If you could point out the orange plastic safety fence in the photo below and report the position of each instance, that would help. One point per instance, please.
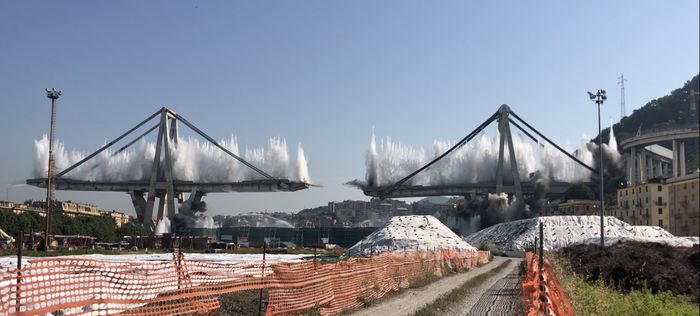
(352, 283)
(76, 286)
(542, 292)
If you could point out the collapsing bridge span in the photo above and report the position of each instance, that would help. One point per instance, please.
(401, 189)
(161, 182)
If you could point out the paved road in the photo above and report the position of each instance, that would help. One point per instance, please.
(503, 298)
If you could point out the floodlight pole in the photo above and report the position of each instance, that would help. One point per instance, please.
(599, 97)
(52, 94)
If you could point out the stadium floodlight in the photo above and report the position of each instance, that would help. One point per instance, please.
(52, 94)
(599, 97)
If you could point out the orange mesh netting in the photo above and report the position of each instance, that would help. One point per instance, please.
(542, 292)
(76, 286)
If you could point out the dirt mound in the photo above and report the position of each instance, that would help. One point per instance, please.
(634, 265)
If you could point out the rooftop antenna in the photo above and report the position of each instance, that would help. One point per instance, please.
(621, 82)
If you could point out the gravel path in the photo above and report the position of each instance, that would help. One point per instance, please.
(503, 298)
(475, 295)
(411, 300)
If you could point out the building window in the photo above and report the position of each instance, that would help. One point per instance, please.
(639, 190)
(658, 188)
(647, 200)
(627, 192)
(660, 200)
(661, 223)
(661, 211)
(646, 189)
(685, 186)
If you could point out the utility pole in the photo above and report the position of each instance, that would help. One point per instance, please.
(53, 95)
(600, 97)
(621, 82)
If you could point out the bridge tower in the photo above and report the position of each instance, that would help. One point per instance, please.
(161, 175)
(504, 135)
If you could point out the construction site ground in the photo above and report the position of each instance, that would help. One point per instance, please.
(498, 295)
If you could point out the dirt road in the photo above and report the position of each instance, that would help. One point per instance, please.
(412, 300)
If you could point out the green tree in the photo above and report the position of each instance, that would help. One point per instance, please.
(130, 229)
(579, 191)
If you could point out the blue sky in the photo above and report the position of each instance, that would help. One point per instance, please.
(323, 73)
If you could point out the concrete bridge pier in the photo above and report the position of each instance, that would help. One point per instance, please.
(681, 158)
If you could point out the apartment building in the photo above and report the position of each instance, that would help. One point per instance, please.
(577, 207)
(684, 205)
(644, 204)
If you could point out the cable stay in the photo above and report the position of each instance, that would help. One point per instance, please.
(459, 144)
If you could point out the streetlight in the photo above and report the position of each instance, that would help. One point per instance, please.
(52, 94)
(599, 97)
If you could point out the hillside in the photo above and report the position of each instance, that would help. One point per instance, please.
(669, 111)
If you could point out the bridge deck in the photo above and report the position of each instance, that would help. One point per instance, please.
(660, 136)
(280, 185)
(404, 191)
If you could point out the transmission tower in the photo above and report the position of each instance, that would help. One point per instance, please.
(621, 82)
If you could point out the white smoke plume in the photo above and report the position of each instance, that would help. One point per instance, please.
(192, 161)
(163, 226)
(254, 220)
(476, 161)
(302, 167)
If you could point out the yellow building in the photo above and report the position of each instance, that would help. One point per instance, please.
(578, 208)
(644, 204)
(118, 217)
(684, 205)
(73, 209)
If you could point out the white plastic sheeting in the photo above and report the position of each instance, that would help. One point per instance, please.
(562, 231)
(411, 232)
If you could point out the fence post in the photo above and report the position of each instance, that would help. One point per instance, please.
(540, 278)
(263, 277)
(541, 246)
(315, 247)
(178, 261)
(20, 244)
